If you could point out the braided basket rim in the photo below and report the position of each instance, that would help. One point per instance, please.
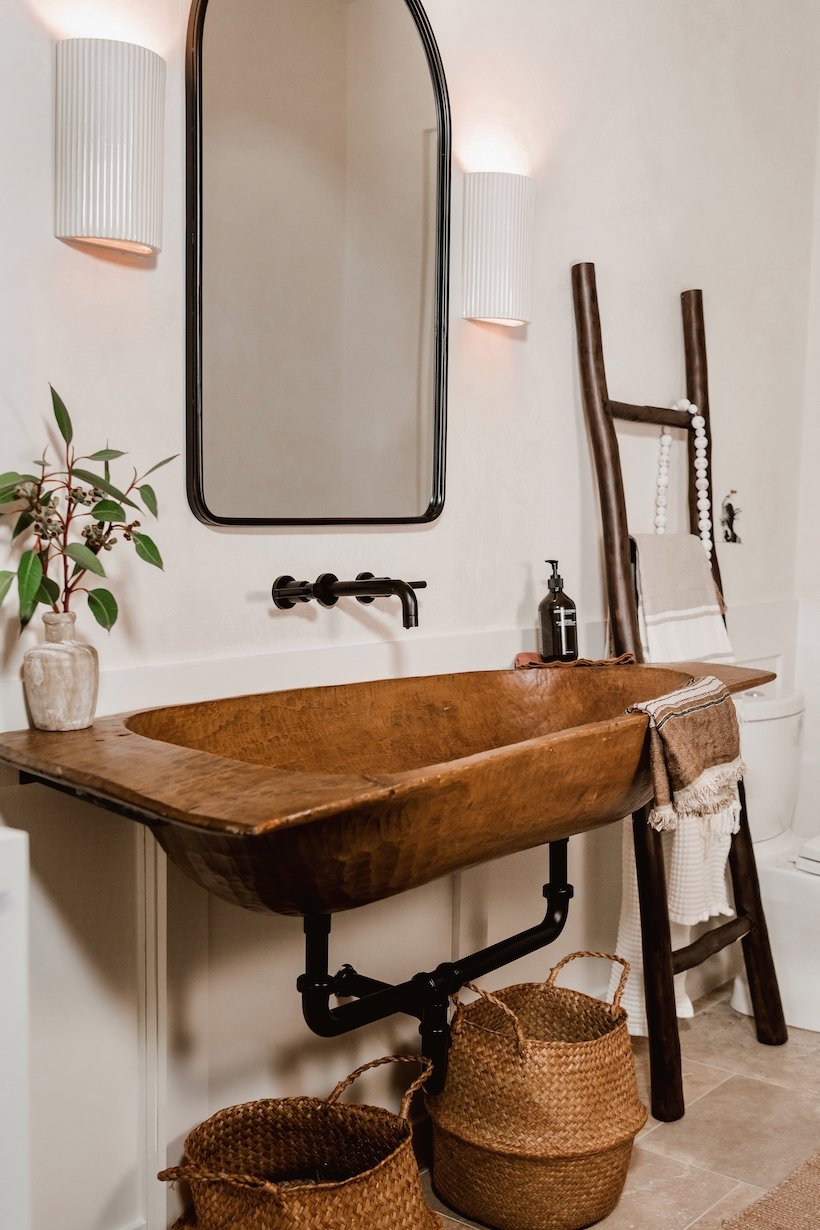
(618, 1015)
(362, 1109)
(541, 1042)
(353, 1110)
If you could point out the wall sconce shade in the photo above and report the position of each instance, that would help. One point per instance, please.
(109, 144)
(499, 229)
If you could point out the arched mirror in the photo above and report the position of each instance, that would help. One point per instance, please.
(318, 220)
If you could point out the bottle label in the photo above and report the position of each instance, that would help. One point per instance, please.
(564, 622)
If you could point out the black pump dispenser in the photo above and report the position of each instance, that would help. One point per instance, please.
(559, 622)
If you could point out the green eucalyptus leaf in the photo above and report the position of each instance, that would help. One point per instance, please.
(147, 550)
(107, 510)
(9, 496)
(103, 607)
(49, 592)
(29, 575)
(23, 522)
(85, 558)
(62, 416)
(160, 463)
(29, 579)
(149, 498)
(106, 454)
(96, 480)
(6, 579)
(12, 479)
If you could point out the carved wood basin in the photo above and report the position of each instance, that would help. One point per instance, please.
(321, 799)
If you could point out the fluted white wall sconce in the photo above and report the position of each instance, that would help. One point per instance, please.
(109, 143)
(499, 229)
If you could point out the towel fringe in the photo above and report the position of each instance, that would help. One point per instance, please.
(704, 793)
(664, 819)
(711, 798)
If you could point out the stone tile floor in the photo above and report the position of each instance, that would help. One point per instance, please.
(752, 1116)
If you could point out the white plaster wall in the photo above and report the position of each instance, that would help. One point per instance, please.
(675, 146)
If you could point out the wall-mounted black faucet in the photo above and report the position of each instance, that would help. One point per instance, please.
(327, 589)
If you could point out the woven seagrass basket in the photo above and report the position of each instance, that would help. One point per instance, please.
(306, 1164)
(534, 1127)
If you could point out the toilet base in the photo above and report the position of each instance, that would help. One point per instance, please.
(791, 900)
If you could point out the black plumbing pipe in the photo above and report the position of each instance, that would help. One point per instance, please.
(426, 995)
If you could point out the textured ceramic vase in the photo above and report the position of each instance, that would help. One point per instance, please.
(61, 677)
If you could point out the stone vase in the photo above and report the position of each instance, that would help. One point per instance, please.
(61, 677)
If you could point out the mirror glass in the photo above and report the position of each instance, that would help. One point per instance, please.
(318, 199)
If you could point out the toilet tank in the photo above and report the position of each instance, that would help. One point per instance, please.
(771, 723)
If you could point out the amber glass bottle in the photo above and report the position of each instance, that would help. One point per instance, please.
(559, 622)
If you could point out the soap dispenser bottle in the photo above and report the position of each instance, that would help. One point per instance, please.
(559, 622)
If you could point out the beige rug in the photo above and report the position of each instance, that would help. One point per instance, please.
(793, 1205)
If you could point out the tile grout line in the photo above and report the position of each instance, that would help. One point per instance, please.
(690, 1102)
(764, 1080)
(791, 1084)
(700, 1216)
(718, 1174)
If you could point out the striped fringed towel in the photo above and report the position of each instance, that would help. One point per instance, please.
(694, 751)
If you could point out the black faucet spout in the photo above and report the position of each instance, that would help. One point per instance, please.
(409, 602)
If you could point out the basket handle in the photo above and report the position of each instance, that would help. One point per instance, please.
(200, 1174)
(606, 956)
(404, 1110)
(521, 1041)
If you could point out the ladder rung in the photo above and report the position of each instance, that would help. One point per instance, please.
(650, 414)
(710, 943)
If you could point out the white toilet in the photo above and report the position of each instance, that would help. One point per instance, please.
(788, 865)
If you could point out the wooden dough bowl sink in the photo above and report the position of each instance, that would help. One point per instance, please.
(321, 799)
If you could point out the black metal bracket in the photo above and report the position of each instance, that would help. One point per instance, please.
(426, 996)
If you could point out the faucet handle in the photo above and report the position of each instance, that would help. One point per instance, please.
(322, 591)
(367, 598)
(287, 591)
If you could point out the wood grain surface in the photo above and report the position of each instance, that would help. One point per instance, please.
(322, 799)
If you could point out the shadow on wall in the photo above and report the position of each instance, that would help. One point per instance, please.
(82, 887)
(234, 1012)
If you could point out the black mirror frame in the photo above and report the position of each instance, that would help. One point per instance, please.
(193, 281)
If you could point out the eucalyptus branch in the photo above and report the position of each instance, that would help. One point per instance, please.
(91, 499)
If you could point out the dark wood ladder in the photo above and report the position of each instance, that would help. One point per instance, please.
(661, 963)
